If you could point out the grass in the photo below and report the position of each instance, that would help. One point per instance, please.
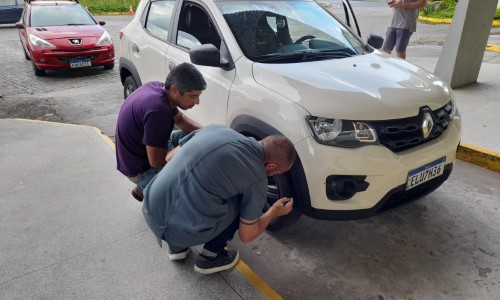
(108, 6)
(444, 9)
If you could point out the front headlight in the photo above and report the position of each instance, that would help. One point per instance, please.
(455, 114)
(342, 133)
(104, 39)
(37, 41)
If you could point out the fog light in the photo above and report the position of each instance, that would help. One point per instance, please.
(340, 187)
(42, 59)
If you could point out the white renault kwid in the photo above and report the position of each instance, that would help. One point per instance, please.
(371, 131)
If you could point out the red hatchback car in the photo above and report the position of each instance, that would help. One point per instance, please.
(63, 35)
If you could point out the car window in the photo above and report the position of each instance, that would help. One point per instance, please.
(196, 28)
(264, 29)
(8, 2)
(158, 20)
(59, 15)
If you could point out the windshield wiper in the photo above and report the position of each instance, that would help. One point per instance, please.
(306, 56)
(337, 53)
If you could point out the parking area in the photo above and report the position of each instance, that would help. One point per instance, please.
(445, 246)
(81, 96)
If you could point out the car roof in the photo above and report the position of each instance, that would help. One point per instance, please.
(53, 2)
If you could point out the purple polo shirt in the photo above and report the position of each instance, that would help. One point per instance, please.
(145, 118)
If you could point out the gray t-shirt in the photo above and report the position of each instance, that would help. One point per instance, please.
(405, 18)
(216, 176)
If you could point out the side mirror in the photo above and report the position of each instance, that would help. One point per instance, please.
(102, 23)
(19, 25)
(376, 41)
(206, 55)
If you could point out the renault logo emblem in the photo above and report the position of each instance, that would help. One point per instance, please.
(75, 42)
(427, 125)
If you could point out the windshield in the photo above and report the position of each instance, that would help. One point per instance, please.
(60, 15)
(288, 31)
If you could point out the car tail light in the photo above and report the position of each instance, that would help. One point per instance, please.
(121, 34)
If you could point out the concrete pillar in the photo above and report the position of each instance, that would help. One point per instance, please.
(463, 50)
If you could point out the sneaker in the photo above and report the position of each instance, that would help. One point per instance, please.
(223, 261)
(178, 255)
(137, 194)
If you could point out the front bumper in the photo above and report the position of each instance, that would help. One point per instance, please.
(49, 59)
(386, 173)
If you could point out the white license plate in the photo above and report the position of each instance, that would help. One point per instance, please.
(80, 63)
(425, 173)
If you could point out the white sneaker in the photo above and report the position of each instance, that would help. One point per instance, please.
(179, 255)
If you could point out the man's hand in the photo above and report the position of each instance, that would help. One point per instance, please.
(251, 229)
(282, 207)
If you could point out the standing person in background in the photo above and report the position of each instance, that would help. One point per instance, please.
(403, 25)
(146, 120)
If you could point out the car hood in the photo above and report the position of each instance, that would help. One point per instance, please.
(369, 87)
(58, 32)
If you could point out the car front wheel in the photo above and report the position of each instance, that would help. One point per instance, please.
(129, 86)
(38, 72)
(279, 186)
(109, 67)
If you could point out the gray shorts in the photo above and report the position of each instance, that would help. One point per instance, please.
(396, 38)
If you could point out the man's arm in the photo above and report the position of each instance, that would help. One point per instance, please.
(408, 5)
(249, 230)
(185, 123)
(156, 156)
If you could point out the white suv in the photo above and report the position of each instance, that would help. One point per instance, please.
(371, 131)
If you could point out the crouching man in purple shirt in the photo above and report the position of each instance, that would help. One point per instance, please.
(144, 129)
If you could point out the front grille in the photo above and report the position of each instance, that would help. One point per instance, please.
(67, 59)
(403, 134)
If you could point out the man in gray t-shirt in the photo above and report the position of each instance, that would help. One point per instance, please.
(403, 25)
(214, 184)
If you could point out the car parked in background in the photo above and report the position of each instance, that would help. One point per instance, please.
(371, 131)
(10, 11)
(63, 35)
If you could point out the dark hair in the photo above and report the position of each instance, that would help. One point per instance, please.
(280, 149)
(186, 78)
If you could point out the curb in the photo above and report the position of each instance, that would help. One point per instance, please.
(479, 156)
(494, 23)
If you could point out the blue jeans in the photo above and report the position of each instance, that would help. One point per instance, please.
(142, 180)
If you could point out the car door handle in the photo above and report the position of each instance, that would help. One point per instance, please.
(171, 65)
(135, 48)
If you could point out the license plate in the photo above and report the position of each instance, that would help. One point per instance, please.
(425, 173)
(80, 63)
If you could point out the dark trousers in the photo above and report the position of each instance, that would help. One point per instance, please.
(215, 245)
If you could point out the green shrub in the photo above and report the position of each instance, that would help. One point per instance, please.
(444, 9)
(107, 6)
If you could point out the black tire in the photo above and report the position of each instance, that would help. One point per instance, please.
(109, 67)
(38, 72)
(129, 85)
(280, 186)
(26, 53)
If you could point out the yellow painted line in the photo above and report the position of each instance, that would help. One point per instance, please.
(257, 282)
(434, 20)
(495, 23)
(494, 48)
(479, 156)
(105, 137)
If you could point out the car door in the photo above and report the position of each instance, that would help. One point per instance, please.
(10, 11)
(193, 27)
(149, 44)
